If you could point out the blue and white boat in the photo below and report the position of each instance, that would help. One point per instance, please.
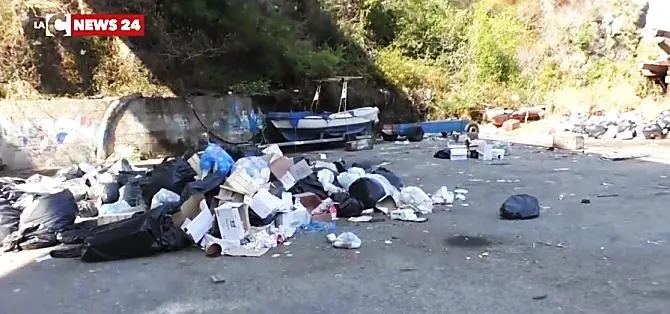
(309, 125)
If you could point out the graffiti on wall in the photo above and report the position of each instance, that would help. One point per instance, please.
(35, 137)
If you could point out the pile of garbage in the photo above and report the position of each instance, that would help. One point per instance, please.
(618, 127)
(241, 206)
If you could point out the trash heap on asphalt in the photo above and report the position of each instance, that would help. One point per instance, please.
(618, 127)
(225, 206)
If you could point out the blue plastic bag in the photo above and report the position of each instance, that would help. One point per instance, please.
(216, 159)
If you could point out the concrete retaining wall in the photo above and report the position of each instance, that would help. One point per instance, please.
(56, 133)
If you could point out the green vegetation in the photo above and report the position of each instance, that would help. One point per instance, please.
(443, 58)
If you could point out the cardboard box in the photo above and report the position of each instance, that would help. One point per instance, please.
(233, 220)
(458, 152)
(227, 194)
(263, 203)
(301, 170)
(200, 225)
(293, 218)
(189, 209)
(280, 168)
(309, 200)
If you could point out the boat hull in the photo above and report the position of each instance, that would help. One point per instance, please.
(333, 131)
(303, 126)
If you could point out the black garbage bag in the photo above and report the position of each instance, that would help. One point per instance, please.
(87, 209)
(346, 205)
(170, 174)
(309, 184)
(77, 232)
(10, 211)
(9, 218)
(341, 166)
(367, 191)
(143, 235)
(257, 221)
(652, 131)
(39, 222)
(124, 177)
(132, 193)
(520, 206)
(364, 164)
(390, 176)
(108, 192)
(208, 185)
(55, 212)
(442, 154)
(33, 238)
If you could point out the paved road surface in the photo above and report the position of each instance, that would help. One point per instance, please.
(609, 256)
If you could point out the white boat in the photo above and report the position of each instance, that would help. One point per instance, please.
(308, 125)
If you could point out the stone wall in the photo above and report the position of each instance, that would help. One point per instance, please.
(55, 133)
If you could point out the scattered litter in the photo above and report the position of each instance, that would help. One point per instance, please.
(406, 215)
(558, 245)
(465, 204)
(217, 279)
(360, 219)
(540, 297)
(585, 201)
(346, 240)
(416, 197)
(460, 197)
(442, 196)
(461, 191)
(276, 255)
(654, 242)
(561, 169)
(388, 242)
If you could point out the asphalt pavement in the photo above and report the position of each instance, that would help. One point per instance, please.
(609, 256)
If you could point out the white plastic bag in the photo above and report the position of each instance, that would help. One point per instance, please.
(249, 174)
(442, 196)
(346, 240)
(345, 179)
(164, 196)
(416, 197)
(326, 178)
(120, 207)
